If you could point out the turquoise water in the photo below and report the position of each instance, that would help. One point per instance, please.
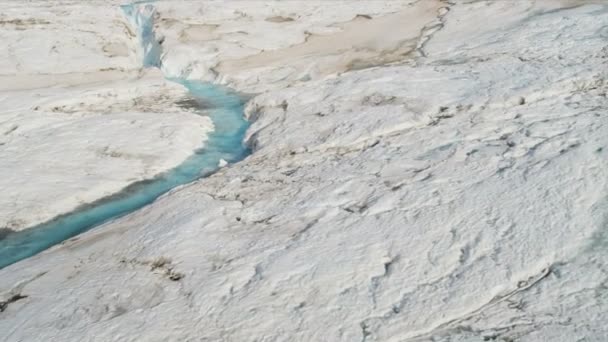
(226, 142)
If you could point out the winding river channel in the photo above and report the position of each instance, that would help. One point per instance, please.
(223, 106)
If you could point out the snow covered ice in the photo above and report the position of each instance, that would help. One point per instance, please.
(420, 171)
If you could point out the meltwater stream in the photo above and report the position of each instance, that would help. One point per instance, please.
(225, 142)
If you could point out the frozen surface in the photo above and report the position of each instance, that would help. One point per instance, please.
(457, 194)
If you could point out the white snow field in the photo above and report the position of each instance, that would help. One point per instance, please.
(421, 171)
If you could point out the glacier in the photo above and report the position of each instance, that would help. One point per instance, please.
(418, 171)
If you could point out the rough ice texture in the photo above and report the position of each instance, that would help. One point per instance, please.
(458, 194)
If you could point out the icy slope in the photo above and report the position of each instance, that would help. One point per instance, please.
(457, 196)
